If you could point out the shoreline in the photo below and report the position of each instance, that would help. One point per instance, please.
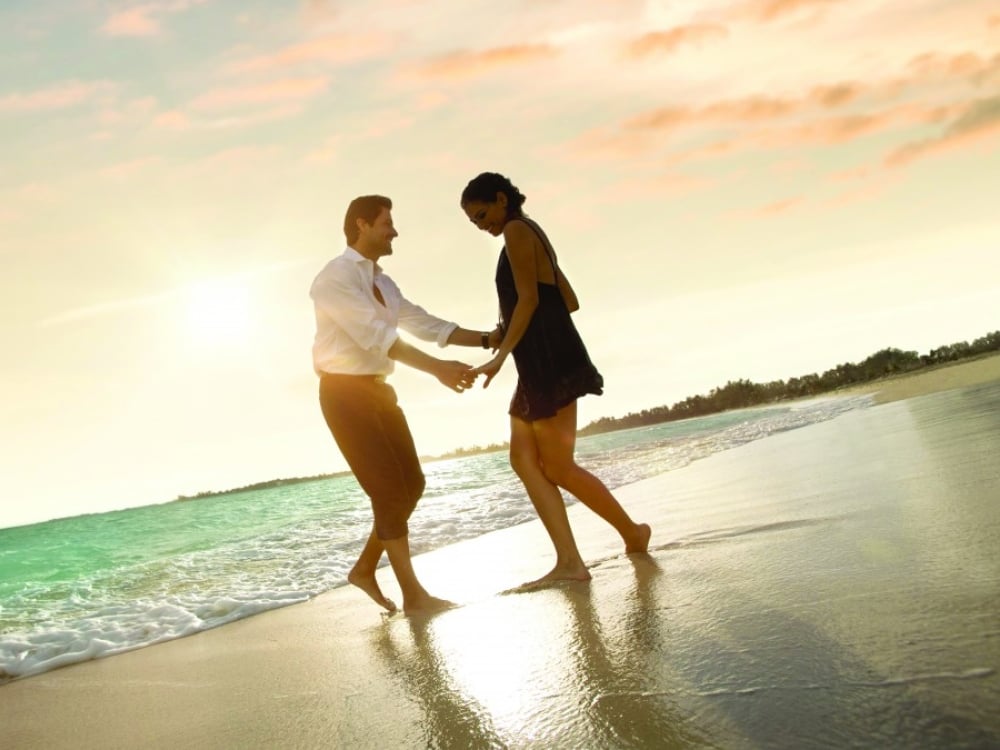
(334, 670)
(932, 379)
(887, 387)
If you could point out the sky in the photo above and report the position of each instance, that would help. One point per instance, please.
(754, 189)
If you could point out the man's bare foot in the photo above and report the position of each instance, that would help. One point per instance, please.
(369, 585)
(426, 605)
(640, 541)
(557, 575)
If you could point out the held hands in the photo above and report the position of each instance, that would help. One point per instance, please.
(489, 369)
(459, 376)
(455, 375)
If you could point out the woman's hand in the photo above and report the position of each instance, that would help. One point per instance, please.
(490, 369)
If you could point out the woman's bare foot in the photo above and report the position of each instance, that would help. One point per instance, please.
(640, 539)
(426, 604)
(368, 584)
(558, 574)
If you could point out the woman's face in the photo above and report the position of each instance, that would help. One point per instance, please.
(490, 217)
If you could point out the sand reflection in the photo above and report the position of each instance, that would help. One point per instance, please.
(578, 665)
(452, 719)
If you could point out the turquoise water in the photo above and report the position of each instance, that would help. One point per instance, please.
(91, 586)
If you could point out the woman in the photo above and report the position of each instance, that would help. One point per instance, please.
(553, 368)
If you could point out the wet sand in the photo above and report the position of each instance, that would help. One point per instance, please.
(832, 586)
(943, 377)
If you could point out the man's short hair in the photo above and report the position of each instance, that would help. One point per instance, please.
(366, 207)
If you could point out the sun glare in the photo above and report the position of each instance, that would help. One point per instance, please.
(218, 311)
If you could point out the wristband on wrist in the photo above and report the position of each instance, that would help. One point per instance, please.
(484, 337)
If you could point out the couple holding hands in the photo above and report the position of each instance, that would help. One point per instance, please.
(359, 310)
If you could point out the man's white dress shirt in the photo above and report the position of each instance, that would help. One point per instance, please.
(354, 331)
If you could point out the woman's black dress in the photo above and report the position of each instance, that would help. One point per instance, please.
(553, 367)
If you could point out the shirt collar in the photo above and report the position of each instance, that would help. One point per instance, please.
(357, 257)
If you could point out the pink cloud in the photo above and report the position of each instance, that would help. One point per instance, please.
(287, 90)
(778, 207)
(268, 114)
(835, 95)
(330, 49)
(390, 122)
(465, 63)
(668, 182)
(791, 121)
(977, 126)
(319, 10)
(850, 127)
(143, 20)
(132, 22)
(668, 42)
(172, 120)
(771, 10)
(36, 192)
(665, 118)
(430, 100)
(178, 121)
(227, 161)
(326, 152)
(128, 169)
(137, 109)
(58, 96)
(969, 65)
(611, 145)
(748, 109)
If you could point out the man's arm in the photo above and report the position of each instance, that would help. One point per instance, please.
(415, 320)
(453, 374)
(466, 337)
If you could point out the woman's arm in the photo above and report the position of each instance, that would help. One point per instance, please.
(521, 247)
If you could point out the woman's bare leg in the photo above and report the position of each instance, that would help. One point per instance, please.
(556, 439)
(548, 502)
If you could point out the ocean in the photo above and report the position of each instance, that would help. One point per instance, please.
(91, 586)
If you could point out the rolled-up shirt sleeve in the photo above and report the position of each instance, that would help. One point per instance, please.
(417, 321)
(339, 295)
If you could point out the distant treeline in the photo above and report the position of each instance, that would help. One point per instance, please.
(740, 394)
(271, 483)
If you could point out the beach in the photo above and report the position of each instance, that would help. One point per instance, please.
(836, 585)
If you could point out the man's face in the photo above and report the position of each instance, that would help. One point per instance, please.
(376, 238)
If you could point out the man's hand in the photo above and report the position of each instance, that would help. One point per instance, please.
(455, 375)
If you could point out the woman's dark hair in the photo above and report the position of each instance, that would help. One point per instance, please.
(366, 207)
(485, 187)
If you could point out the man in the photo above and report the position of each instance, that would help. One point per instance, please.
(358, 311)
